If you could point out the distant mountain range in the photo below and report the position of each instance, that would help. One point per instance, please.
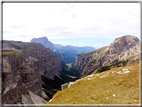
(67, 53)
(45, 42)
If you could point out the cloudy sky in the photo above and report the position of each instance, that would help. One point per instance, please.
(78, 24)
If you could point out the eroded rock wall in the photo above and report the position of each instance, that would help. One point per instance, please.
(122, 48)
(22, 72)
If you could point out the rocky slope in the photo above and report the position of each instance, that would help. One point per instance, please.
(23, 65)
(124, 50)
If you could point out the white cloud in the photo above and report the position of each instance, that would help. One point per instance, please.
(70, 20)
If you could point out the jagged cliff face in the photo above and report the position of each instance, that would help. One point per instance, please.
(23, 64)
(122, 48)
(41, 58)
(18, 79)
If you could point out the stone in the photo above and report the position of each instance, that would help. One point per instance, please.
(22, 72)
(70, 84)
(122, 48)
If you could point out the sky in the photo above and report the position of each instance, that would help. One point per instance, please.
(77, 24)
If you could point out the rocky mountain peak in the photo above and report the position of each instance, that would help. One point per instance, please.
(127, 39)
(41, 39)
(124, 49)
(122, 44)
(45, 42)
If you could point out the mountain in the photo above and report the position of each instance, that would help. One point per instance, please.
(45, 42)
(123, 51)
(67, 53)
(23, 65)
(109, 75)
(78, 50)
(31, 73)
(49, 65)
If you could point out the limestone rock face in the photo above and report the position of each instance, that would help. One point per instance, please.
(14, 86)
(23, 64)
(122, 48)
(41, 58)
(45, 42)
(123, 45)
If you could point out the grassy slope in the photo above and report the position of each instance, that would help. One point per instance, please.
(125, 87)
(11, 52)
(16, 52)
(116, 63)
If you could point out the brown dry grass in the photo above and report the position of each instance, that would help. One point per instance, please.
(98, 90)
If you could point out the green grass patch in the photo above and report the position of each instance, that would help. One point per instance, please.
(64, 86)
(69, 66)
(16, 52)
(25, 50)
(12, 52)
(116, 63)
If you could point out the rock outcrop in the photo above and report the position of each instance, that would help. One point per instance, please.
(40, 58)
(123, 48)
(23, 64)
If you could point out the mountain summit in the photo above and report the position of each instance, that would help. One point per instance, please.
(124, 50)
(122, 44)
(45, 42)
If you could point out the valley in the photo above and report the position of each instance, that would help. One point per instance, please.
(69, 74)
(67, 53)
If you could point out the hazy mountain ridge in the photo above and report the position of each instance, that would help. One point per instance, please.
(122, 48)
(79, 50)
(45, 42)
(67, 53)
